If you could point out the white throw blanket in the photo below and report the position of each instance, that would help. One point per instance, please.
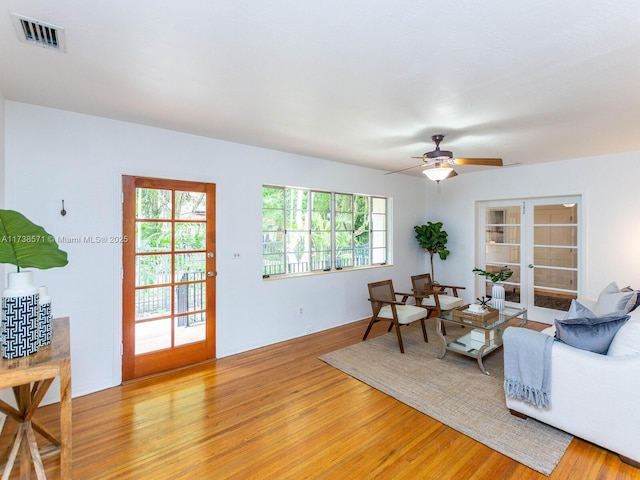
(527, 366)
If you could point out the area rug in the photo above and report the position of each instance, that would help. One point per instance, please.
(453, 391)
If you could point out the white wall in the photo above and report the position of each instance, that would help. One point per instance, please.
(609, 188)
(53, 155)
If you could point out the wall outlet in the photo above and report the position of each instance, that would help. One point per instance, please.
(300, 310)
(236, 255)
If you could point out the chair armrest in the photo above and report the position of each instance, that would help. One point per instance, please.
(394, 302)
(454, 288)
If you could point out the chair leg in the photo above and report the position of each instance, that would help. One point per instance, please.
(366, 334)
(424, 330)
(390, 327)
(399, 337)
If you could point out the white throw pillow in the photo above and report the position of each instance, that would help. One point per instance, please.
(612, 300)
(627, 340)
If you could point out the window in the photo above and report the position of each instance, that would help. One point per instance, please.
(306, 231)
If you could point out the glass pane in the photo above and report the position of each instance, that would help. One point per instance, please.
(190, 328)
(502, 234)
(190, 297)
(273, 197)
(273, 253)
(321, 259)
(321, 201)
(153, 269)
(502, 254)
(321, 221)
(344, 221)
(552, 278)
(153, 236)
(555, 257)
(361, 255)
(321, 253)
(344, 203)
(152, 336)
(379, 222)
(378, 255)
(190, 267)
(511, 292)
(556, 214)
(344, 257)
(297, 198)
(191, 205)
(553, 300)
(153, 204)
(190, 236)
(563, 236)
(297, 220)
(273, 264)
(503, 216)
(153, 302)
(378, 239)
(297, 252)
(272, 219)
(379, 205)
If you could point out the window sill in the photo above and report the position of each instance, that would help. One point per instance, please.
(325, 272)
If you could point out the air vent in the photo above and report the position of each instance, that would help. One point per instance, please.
(38, 33)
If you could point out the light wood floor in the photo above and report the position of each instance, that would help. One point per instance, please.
(280, 413)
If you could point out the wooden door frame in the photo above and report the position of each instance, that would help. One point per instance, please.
(163, 359)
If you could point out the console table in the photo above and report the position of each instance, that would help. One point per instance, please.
(30, 377)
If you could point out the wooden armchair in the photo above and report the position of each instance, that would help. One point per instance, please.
(433, 296)
(386, 308)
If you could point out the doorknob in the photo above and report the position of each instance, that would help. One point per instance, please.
(531, 265)
(211, 274)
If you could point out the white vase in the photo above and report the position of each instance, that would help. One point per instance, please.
(19, 324)
(497, 296)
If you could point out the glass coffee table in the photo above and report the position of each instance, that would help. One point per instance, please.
(483, 337)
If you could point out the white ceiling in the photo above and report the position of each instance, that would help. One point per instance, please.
(365, 82)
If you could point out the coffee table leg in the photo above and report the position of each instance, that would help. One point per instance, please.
(479, 357)
(443, 352)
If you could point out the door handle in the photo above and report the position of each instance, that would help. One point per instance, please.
(211, 274)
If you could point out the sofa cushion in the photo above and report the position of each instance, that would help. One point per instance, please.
(627, 341)
(629, 289)
(447, 302)
(406, 313)
(590, 333)
(612, 300)
(578, 310)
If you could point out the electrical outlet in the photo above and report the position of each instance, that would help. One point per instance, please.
(300, 310)
(236, 256)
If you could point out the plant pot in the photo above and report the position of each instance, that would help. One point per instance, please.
(497, 296)
(20, 310)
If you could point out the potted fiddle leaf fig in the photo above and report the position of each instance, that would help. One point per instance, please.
(433, 239)
(26, 315)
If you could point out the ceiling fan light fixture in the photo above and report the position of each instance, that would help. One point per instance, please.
(437, 174)
(440, 155)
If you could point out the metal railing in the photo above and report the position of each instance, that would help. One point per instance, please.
(189, 297)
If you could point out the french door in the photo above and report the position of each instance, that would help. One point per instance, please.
(169, 269)
(539, 239)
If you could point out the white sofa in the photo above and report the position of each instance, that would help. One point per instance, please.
(593, 396)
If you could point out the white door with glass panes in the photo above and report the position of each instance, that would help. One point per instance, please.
(538, 239)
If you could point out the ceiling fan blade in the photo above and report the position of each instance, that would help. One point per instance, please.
(487, 162)
(421, 156)
(404, 169)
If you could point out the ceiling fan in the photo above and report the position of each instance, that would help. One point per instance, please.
(442, 162)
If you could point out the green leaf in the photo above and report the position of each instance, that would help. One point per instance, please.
(25, 244)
